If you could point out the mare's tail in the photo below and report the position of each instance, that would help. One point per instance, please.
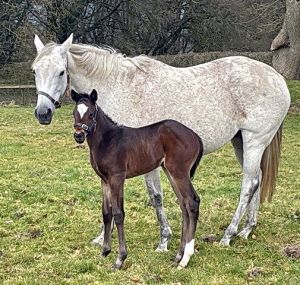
(269, 166)
(194, 167)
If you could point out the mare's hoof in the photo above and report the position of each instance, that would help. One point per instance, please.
(98, 241)
(244, 233)
(162, 248)
(116, 267)
(225, 242)
(177, 258)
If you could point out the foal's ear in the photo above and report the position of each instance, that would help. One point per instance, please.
(94, 96)
(75, 96)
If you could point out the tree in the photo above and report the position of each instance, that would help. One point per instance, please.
(286, 45)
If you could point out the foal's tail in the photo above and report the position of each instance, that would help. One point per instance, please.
(199, 156)
(269, 166)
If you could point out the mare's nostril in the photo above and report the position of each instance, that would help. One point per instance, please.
(48, 111)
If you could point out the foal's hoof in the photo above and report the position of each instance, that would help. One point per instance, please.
(106, 252)
(179, 267)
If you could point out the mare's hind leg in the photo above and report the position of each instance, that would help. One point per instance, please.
(152, 180)
(253, 207)
(253, 152)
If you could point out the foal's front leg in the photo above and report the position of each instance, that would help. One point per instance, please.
(116, 183)
(107, 218)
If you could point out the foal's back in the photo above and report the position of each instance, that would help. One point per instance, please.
(166, 142)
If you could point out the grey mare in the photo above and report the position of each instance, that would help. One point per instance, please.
(233, 99)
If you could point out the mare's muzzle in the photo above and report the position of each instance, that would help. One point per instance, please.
(79, 137)
(44, 115)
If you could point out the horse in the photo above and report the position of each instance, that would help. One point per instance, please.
(233, 99)
(120, 152)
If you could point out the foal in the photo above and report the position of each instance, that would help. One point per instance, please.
(119, 152)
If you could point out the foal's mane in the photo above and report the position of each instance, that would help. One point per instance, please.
(98, 61)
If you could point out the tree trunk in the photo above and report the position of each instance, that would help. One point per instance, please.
(286, 45)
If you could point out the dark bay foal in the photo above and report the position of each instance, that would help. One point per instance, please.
(119, 152)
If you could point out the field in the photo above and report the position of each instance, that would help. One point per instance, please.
(50, 210)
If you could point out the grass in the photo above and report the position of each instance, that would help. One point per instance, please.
(50, 206)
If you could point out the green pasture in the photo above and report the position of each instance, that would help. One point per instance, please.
(50, 204)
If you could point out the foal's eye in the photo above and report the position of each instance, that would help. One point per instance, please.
(62, 73)
(91, 115)
(33, 71)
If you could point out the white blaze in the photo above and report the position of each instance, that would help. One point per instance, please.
(82, 108)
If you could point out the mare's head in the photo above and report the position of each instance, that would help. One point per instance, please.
(51, 79)
(85, 113)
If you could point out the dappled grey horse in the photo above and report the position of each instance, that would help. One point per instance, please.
(233, 99)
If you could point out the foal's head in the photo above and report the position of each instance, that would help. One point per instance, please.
(85, 113)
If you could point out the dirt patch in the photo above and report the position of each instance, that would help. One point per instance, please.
(34, 233)
(292, 251)
(254, 272)
(210, 239)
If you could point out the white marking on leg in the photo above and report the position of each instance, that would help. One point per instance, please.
(82, 108)
(188, 252)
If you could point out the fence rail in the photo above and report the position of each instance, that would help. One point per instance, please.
(17, 87)
(20, 95)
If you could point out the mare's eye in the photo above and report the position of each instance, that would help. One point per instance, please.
(33, 71)
(91, 116)
(62, 73)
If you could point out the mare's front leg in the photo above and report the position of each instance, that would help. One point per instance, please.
(116, 183)
(152, 180)
(107, 218)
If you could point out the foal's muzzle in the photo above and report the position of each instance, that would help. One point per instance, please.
(79, 137)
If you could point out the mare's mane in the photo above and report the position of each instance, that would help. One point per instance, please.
(97, 61)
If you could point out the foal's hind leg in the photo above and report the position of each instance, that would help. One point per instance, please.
(192, 202)
(152, 180)
(251, 168)
(189, 203)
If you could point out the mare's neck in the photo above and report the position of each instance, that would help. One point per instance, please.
(83, 82)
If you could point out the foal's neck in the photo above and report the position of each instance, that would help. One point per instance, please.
(104, 125)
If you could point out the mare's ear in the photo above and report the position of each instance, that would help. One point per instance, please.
(38, 44)
(66, 44)
(75, 96)
(94, 96)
